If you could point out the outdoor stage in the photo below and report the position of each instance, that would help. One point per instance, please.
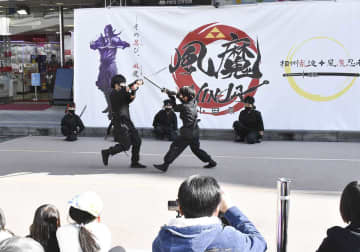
(38, 170)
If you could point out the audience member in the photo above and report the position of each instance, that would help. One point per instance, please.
(4, 233)
(165, 122)
(346, 239)
(71, 124)
(52, 67)
(20, 244)
(87, 233)
(200, 200)
(117, 249)
(250, 126)
(43, 229)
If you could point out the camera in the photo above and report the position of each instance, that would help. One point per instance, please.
(173, 205)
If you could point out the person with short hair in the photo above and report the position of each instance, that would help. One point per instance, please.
(125, 133)
(20, 244)
(71, 123)
(346, 239)
(165, 122)
(52, 67)
(250, 126)
(4, 233)
(86, 233)
(200, 200)
(45, 224)
(189, 132)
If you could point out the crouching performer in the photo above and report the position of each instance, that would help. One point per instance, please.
(125, 133)
(165, 122)
(250, 126)
(71, 124)
(189, 132)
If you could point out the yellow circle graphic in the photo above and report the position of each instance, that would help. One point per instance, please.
(310, 96)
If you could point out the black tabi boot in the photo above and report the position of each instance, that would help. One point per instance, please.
(162, 167)
(137, 165)
(211, 164)
(105, 156)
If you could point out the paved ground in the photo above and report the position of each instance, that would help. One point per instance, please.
(45, 118)
(38, 170)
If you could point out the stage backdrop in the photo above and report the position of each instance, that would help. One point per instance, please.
(300, 61)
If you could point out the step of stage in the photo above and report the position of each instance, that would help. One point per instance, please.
(50, 129)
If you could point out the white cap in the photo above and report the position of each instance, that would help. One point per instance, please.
(89, 202)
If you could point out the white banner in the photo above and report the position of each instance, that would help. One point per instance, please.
(307, 51)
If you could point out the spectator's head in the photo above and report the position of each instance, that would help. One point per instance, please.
(2, 220)
(46, 222)
(85, 208)
(3, 225)
(20, 244)
(199, 196)
(249, 101)
(118, 81)
(186, 93)
(350, 203)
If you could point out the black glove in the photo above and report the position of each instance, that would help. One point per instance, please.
(168, 92)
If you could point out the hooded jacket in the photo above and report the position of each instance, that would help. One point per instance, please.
(208, 234)
(341, 239)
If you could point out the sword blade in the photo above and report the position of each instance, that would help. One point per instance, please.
(83, 110)
(156, 85)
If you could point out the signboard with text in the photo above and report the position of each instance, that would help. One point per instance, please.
(299, 62)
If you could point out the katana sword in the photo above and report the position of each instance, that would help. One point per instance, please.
(169, 92)
(83, 110)
(317, 74)
(156, 85)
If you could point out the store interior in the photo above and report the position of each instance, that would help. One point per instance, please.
(21, 57)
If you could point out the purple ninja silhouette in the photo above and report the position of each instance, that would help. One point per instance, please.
(107, 46)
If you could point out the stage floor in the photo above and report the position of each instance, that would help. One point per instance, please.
(39, 170)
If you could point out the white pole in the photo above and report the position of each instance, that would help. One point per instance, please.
(283, 186)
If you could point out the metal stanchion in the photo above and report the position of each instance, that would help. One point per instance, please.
(61, 34)
(283, 185)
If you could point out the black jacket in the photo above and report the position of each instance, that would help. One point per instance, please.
(251, 119)
(162, 118)
(188, 112)
(120, 101)
(341, 240)
(70, 123)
